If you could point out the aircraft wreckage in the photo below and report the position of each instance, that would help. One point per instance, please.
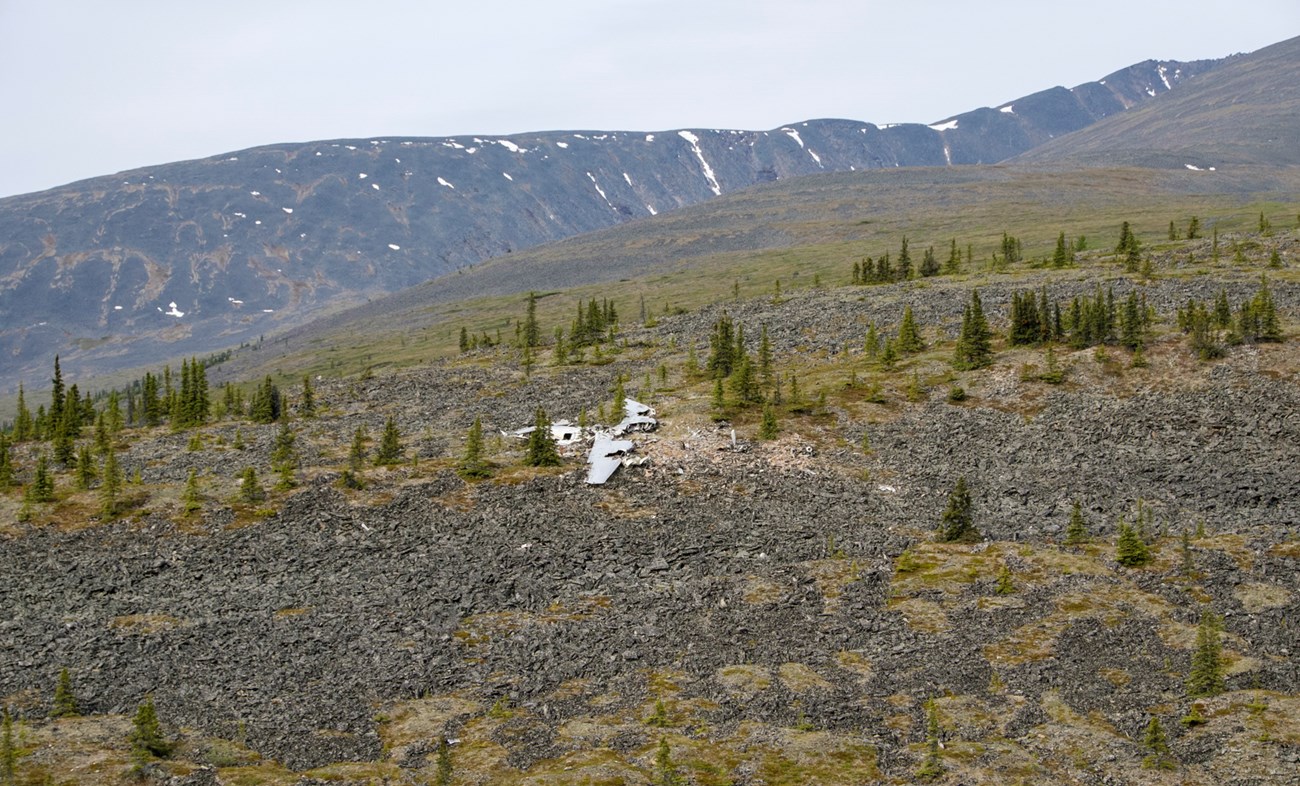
(609, 450)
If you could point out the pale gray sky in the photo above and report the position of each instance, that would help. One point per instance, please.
(90, 87)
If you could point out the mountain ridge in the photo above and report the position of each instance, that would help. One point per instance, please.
(255, 241)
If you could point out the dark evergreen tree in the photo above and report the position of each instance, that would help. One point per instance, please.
(1076, 531)
(1132, 323)
(282, 448)
(1193, 228)
(665, 769)
(57, 394)
(744, 383)
(85, 468)
(443, 771)
(22, 430)
(722, 348)
(147, 740)
(250, 488)
(357, 453)
(65, 701)
(542, 451)
(958, 523)
(953, 265)
(904, 262)
(1130, 550)
(1154, 741)
(975, 344)
(267, 404)
(307, 405)
(464, 339)
(532, 333)
(909, 335)
(472, 464)
(41, 488)
(1129, 249)
(1206, 676)
(932, 765)
(929, 265)
(1063, 255)
(390, 445)
(110, 484)
(1026, 324)
(191, 498)
(871, 344)
(769, 428)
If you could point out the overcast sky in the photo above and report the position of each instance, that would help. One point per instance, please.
(90, 88)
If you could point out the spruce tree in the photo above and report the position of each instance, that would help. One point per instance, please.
(1154, 741)
(282, 448)
(953, 265)
(744, 386)
(620, 395)
(147, 740)
(929, 264)
(357, 452)
(250, 489)
(932, 765)
(532, 333)
(1076, 531)
(957, 523)
(22, 430)
(1062, 256)
(442, 773)
(307, 406)
(390, 445)
(191, 500)
(904, 262)
(909, 335)
(110, 484)
(974, 345)
(65, 701)
(85, 468)
(472, 465)
(41, 488)
(1130, 550)
(57, 394)
(542, 451)
(267, 403)
(665, 769)
(871, 344)
(769, 428)
(1206, 676)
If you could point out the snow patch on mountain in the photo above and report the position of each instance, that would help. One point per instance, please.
(708, 170)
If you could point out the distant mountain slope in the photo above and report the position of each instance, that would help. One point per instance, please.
(1247, 112)
(190, 257)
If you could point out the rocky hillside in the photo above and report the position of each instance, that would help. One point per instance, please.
(196, 256)
(773, 611)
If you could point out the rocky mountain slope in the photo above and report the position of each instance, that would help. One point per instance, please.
(1245, 114)
(776, 611)
(196, 256)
